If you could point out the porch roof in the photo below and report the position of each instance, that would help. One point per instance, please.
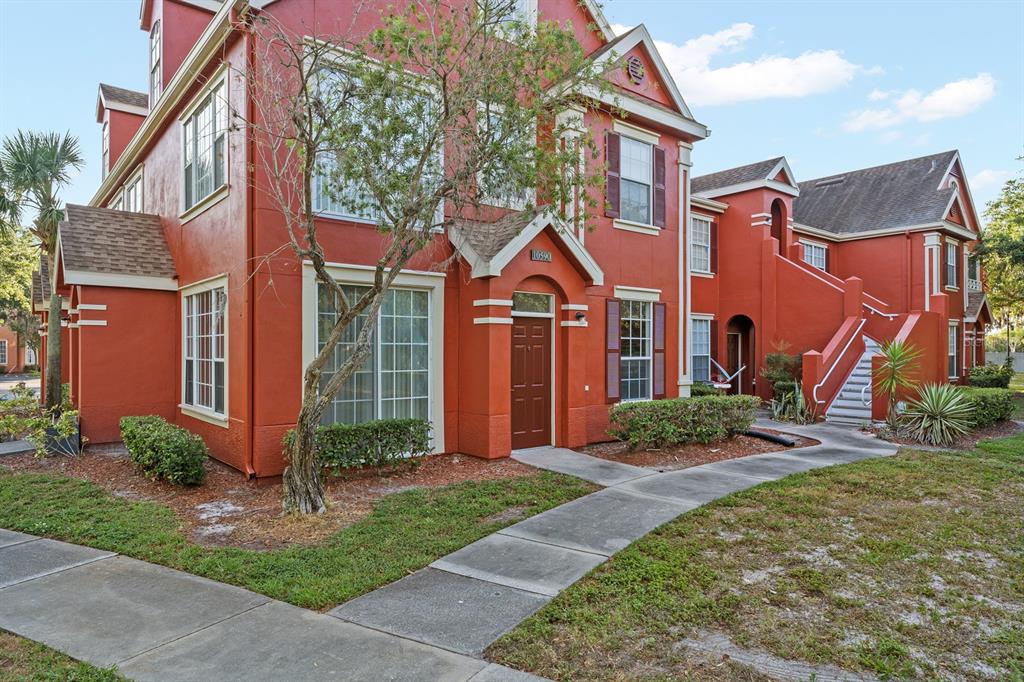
(489, 246)
(105, 247)
(977, 303)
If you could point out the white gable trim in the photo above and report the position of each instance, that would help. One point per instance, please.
(782, 165)
(493, 267)
(749, 185)
(961, 183)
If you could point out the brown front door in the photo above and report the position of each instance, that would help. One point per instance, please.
(531, 382)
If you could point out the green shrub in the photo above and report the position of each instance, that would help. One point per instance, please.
(782, 367)
(701, 388)
(661, 423)
(781, 389)
(991, 376)
(384, 442)
(990, 405)
(940, 414)
(165, 451)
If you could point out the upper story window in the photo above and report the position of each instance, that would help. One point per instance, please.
(155, 77)
(494, 187)
(204, 137)
(952, 256)
(105, 159)
(636, 181)
(816, 255)
(700, 243)
(973, 272)
(133, 195)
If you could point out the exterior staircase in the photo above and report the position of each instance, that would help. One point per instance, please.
(849, 407)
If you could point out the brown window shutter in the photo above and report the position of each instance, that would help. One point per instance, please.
(612, 152)
(714, 247)
(659, 351)
(659, 187)
(713, 328)
(828, 259)
(612, 348)
(943, 278)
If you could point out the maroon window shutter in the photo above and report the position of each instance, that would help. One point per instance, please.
(943, 279)
(612, 151)
(659, 187)
(713, 329)
(612, 350)
(714, 247)
(659, 351)
(828, 259)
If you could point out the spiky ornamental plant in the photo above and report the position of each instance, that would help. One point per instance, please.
(895, 374)
(939, 415)
(416, 123)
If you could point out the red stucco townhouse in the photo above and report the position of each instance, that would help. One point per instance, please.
(536, 327)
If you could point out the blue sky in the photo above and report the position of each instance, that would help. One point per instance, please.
(833, 86)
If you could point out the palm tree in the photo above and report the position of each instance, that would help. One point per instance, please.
(899, 360)
(34, 167)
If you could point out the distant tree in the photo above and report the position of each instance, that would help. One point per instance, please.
(1002, 253)
(18, 257)
(35, 168)
(438, 108)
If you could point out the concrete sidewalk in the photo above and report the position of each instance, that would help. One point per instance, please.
(155, 623)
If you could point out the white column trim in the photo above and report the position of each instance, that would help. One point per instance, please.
(685, 302)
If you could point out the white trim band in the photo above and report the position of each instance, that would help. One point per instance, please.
(480, 302)
(492, 320)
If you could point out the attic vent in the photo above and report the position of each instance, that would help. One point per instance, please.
(830, 181)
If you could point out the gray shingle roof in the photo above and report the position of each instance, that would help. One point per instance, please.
(103, 240)
(900, 194)
(112, 93)
(733, 176)
(487, 239)
(41, 282)
(975, 301)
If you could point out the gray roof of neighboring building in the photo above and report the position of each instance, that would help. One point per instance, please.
(733, 176)
(901, 194)
(114, 242)
(112, 93)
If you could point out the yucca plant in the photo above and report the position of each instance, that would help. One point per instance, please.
(940, 414)
(899, 360)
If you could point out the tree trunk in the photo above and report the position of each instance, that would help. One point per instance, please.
(52, 390)
(303, 488)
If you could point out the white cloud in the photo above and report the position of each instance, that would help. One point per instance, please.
(989, 179)
(891, 135)
(954, 99)
(769, 76)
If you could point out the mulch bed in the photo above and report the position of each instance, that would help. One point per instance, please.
(966, 442)
(685, 456)
(231, 511)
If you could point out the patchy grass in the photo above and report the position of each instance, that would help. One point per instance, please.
(22, 660)
(405, 532)
(903, 567)
(1017, 384)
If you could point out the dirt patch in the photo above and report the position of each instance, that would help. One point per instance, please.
(966, 442)
(228, 510)
(685, 456)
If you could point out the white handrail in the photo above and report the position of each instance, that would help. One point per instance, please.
(866, 387)
(723, 370)
(814, 393)
(876, 311)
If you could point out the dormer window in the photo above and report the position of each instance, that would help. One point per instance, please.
(105, 160)
(155, 79)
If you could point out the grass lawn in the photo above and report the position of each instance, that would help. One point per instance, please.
(1017, 384)
(904, 567)
(405, 532)
(22, 660)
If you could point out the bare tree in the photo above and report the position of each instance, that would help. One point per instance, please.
(415, 122)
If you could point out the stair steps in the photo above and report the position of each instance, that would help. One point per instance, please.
(848, 407)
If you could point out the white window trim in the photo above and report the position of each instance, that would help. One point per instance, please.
(433, 282)
(710, 223)
(637, 293)
(953, 351)
(188, 213)
(136, 176)
(817, 245)
(3, 352)
(638, 135)
(156, 66)
(105, 149)
(636, 132)
(703, 317)
(201, 413)
(946, 262)
(650, 345)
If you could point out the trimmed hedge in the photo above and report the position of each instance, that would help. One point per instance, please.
(991, 405)
(384, 442)
(990, 376)
(662, 423)
(700, 388)
(780, 389)
(165, 451)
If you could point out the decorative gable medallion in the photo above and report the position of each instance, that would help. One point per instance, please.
(635, 69)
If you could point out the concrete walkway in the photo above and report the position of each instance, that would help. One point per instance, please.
(155, 623)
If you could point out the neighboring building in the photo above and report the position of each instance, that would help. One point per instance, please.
(15, 355)
(533, 331)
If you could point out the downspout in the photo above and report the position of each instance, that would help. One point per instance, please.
(683, 272)
(250, 248)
